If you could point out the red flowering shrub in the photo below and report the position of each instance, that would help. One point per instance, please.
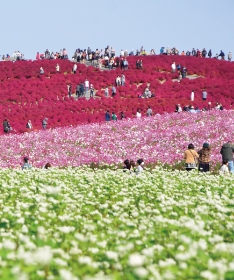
(24, 94)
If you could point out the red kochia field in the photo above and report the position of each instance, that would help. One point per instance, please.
(24, 95)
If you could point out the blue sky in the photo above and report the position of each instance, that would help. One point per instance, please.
(30, 26)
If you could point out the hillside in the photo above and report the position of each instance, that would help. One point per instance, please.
(25, 95)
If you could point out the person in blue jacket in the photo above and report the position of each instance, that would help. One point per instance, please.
(107, 116)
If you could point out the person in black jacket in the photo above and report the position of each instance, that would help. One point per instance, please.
(204, 52)
(227, 151)
(210, 54)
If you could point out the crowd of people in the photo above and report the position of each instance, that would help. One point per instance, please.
(191, 109)
(201, 159)
(96, 56)
(113, 117)
(194, 160)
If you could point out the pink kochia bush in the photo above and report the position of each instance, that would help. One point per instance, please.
(162, 138)
(24, 95)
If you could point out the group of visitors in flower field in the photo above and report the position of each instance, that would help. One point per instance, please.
(193, 159)
(202, 158)
(27, 165)
(192, 109)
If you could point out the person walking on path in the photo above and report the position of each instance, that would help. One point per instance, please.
(190, 156)
(204, 158)
(227, 151)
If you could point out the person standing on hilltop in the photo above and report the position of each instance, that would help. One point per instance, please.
(204, 52)
(222, 55)
(210, 54)
(229, 56)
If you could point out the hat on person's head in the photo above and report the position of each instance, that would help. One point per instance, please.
(206, 145)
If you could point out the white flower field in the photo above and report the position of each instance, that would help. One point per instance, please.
(80, 223)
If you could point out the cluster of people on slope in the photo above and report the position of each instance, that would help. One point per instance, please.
(147, 93)
(196, 53)
(62, 54)
(17, 55)
(181, 70)
(120, 81)
(82, 89)
(130, 165)
(7, 127)
(113, 116)
(27, 165)
(192, 109)
(202, 158)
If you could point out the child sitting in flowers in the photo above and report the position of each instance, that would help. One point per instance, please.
(224, 168)
(140, 163)
(26, 164)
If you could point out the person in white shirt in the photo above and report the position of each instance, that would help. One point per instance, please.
(74, 68)
(224, 168)
(106, 92)
(86, 86)
(192, 95)
(122, 53)
(140, 163)
(173, 67)
(138, 114)
(57, 68)
(179, 108)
